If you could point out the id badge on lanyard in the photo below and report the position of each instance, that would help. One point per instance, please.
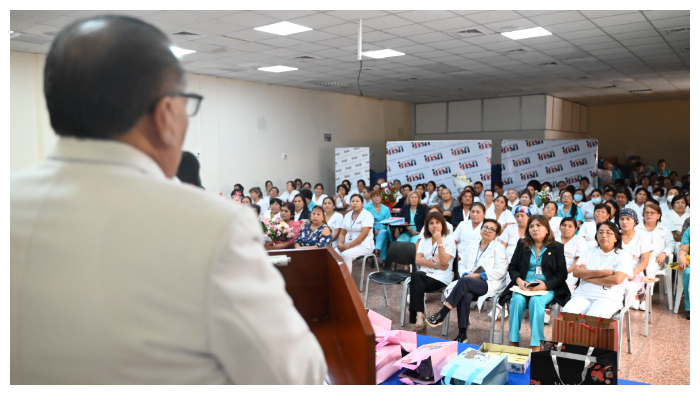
(352, 227)
(538, 270)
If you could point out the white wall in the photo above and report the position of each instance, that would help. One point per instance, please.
(225, 133)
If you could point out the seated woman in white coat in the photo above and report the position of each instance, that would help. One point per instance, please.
(434, 256)
(673, 219)
(355, 239)
(432, 197)
(602, 213)
(509, 237)
(660, 236)
(637, 203)
(550, 212)
(288, 195)
(574, 247)
(318, 196)
(603, 271)
(274, 211)
(468, 232)
(639, 246)
(342, 199)
(501, 212)
(482, 274)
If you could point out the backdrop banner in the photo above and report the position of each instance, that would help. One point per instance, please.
(417, 162)
(351, 163)
(548, 160)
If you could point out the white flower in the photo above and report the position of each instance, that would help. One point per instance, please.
(384, 185)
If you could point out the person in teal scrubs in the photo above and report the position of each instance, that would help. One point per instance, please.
(380, 212)
(569, 209)
(684, 265)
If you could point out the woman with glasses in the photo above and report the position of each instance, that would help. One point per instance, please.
(603, 271)
(538, 264)
(660, 236)
(482, 272)
(569, 209)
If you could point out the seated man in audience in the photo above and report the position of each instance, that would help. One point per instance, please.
(479, 190)
(118, 274)
(498, 189)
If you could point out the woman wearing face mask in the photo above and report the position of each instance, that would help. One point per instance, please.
(673, 219)
(574, 246)
(603, 271)
(501, 213)
(413, 214)
(640, 197)
(550, 212)
(569, 209)
(526, 201)
(510, 237)
(355, 239)
(588, 207)
(660, 236)
(469, 231)
(513, 198)
(287, 216)
(672, 192)
(434, 256)
(464, 205)
(538, 259)
(432, 198)
(315, 234)
(602, 213)
(333, 220)
(490, 256)
(579, 198)
(380, 213)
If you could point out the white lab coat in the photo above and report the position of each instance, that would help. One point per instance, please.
(121, 276)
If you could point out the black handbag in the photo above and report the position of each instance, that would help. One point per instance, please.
(567, 364)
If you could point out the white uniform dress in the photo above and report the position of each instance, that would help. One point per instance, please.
(510, 236)
(334, 223)
(596, 300)
(554, 224)
(429, 249)
(505, 218)
(339, 203)
(353, 225)
(588, 231)
(637, 209)
(465, 235)
(263, 203)
(431, 200)
(639, 245)
(319, 201)
(588, 209)
(661, 241)
(573, 249)
(288, 197)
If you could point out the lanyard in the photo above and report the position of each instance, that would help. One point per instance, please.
(353, 222)
(478, 256)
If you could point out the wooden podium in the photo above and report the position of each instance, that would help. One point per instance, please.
(325, 294)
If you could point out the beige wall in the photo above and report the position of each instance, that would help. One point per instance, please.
(652, 130)
(225, 132)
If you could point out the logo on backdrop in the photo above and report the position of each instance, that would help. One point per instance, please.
(433, 157)
(532, 143)
(530, 175)
(420, 144)
(507, 181)
(460, 151)
(441, 171)
(357, 173)
(343, 161)
(591, 144)
(354, 158)
(363, 155)
(483, 146)
(570, 149)
(346, 176)
(573, 180)
(578, 162)
(521, 162)
(554, 169)
(509, 148)
(394, 150)
(348, 167)
(407, 163)
(346, 151)
(415, 177)
(337, 153)
(488, 160)
(468, 165)
(337, 170)
(485, 177)
(358, 165)
(503, 166)
(546, 155)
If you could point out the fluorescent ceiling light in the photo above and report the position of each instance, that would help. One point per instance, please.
(180, 52)
(277, 69)
(283, 28)
(527, 33)
(382, 53)
(11, 32)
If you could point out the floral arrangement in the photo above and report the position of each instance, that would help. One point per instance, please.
(277, 229)
(388, 193)
(542, 198)
(461, 182)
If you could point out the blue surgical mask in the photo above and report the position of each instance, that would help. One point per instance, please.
(596, 200)
(578, 197)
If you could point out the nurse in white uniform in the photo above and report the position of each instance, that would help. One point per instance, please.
(660, 236)
(318, 195)
(588, 230)
(574, 247)
(432, 197)
(333, 220)
(288, 195)
(468, 231)
(355, 237)
(603, 271)
(639, 246)
(501, 213)
(589, 206)
(509, 238)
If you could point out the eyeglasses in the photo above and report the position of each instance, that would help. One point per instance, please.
(193, 102)
(605, 233)
(489, 230)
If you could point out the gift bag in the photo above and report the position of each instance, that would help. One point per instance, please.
(384, 361)
(423, 366)
(384, 335)
(474, 367)
(568, 364)
(584, 330)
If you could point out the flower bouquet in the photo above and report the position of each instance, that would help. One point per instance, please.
(542, 198)
(461, 182)
(388, 193)
(277, 230)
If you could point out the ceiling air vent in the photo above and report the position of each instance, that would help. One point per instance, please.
(512, 51)
(465, 33)
(548, 64)
(608, 87)
(411, 79)
(331, 83)
(583, 78)
(679, 30)
(642, 91)
(185, 34)
(305, 57)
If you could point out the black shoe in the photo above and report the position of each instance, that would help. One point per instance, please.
(435, 319)
(687, 315)
(461, 338)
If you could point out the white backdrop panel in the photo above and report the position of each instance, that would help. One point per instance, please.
(547, 160)
(351, 163)
(417, 162)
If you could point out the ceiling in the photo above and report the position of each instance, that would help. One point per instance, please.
(599, 56)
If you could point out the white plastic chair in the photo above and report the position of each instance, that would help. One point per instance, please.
(362, 274)
(629, 299)
(679, 290)
(665, 287)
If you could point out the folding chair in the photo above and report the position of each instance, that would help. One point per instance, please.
(400, 253)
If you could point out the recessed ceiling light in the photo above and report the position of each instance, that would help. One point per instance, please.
(11, 32)
(277, 69)
(527, 33)
(382, 53)
(283, 28)
(180, 52)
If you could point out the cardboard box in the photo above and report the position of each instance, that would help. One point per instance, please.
(518, 357)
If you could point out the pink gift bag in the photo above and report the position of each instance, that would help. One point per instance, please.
(384, 361)
(423, 365)
(384, 335)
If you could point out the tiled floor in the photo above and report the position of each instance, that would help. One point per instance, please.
(661, 358)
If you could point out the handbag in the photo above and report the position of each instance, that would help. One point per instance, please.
(568, 364)
(584, 330)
